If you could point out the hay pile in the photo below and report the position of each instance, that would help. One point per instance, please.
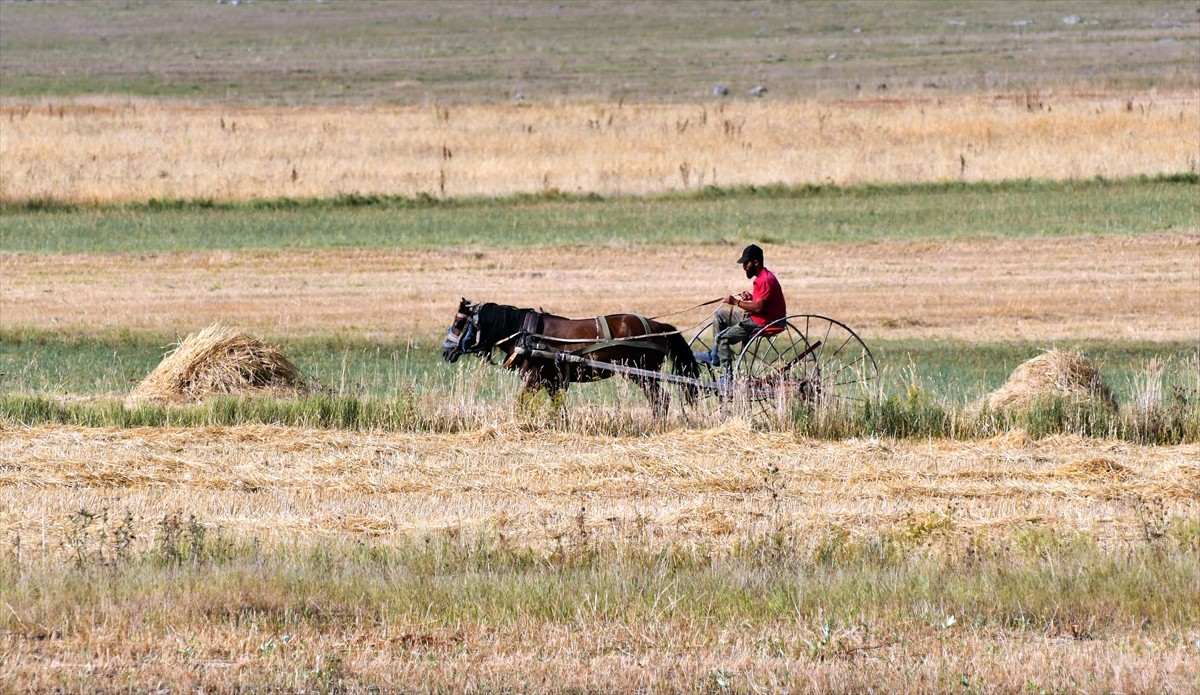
(1055, 374)
(219, 360)
(1098, 469)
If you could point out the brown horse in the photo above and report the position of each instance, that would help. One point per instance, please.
(620, 339)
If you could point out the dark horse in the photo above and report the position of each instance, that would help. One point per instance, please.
(620, 339)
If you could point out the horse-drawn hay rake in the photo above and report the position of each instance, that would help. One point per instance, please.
(803, 360)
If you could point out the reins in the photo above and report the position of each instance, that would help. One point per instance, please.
(681, 311)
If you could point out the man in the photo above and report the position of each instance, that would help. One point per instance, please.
(743, 315)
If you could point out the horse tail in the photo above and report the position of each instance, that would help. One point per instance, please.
(681, 358)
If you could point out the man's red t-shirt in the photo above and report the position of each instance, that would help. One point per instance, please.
(766, 288)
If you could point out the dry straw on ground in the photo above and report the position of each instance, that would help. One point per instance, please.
(717, 487)
(713, 490)
(1055, 374)
(218, 360)
(1098, 468)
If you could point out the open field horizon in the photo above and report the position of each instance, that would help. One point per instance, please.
(426, 52)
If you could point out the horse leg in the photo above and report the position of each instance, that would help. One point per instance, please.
(531, 380)
(538, 380)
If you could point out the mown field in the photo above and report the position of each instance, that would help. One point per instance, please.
(967, 186)
(713, 559)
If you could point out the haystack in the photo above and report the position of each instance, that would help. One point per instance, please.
(218, 360)
(1055, 374)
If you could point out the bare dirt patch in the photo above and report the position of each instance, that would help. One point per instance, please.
(1129, 288)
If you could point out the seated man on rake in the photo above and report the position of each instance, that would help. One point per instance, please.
(743, 315)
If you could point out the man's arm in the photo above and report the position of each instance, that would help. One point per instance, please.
(744, 302)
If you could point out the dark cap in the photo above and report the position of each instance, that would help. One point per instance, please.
(751, 253)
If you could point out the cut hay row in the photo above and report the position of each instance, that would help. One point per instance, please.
(712, 487)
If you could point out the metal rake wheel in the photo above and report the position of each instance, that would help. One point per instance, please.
(703, 342)
(805, 360)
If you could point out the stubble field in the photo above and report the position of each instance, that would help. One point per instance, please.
(678, 561)
(1136, 288)
(489, 547)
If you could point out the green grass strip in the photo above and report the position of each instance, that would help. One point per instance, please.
(927, 389)
(36, 361)
(767, 214)
(1168, 422)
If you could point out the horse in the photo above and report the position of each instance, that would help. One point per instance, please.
(619, 339)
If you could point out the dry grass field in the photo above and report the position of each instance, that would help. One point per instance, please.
(706, 487)
(512, 554)
(73, 496)
(714, 560)
(105, 150)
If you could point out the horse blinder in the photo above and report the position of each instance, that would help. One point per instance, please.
(462, 337)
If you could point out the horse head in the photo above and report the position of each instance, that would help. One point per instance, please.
(463, 335)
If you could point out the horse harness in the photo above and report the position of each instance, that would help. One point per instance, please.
(531, 338)
(604, 334)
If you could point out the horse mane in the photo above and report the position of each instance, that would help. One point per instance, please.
(498, 321)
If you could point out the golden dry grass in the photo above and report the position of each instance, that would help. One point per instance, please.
(1128, 288)
(103, 150)
(591, 655)
(697, 487)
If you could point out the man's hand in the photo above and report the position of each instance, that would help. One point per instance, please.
(730, 299)
(746, 296)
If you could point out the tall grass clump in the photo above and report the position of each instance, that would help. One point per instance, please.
(1162, 408)
(914, 415)
(316, 411)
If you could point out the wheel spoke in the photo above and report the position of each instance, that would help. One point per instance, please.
(850, 365)
(838, 351)
(772, 372)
